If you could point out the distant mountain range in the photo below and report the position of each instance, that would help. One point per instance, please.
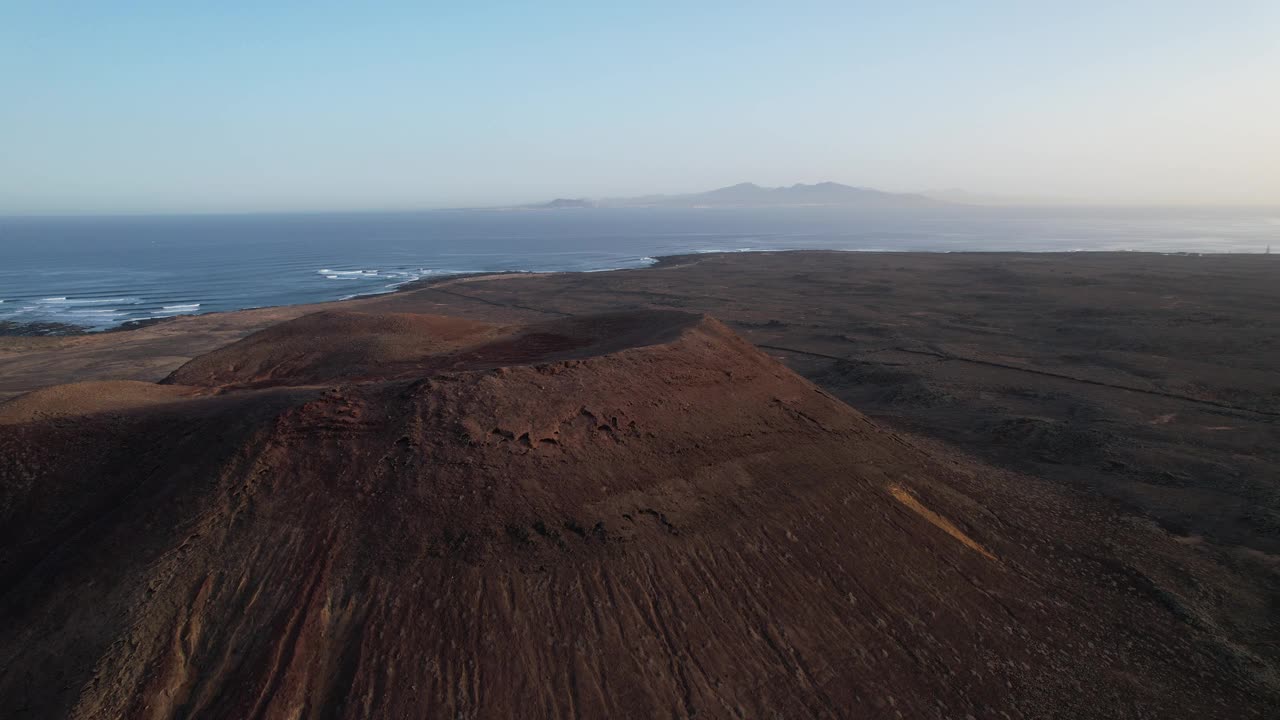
(752, 195)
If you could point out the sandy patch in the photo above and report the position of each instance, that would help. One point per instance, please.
(906, 498)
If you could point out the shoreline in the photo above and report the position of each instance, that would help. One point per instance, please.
(53, 329)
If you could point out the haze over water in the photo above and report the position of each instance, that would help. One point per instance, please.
(97, 272)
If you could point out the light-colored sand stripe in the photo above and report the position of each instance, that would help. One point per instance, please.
(901, 495)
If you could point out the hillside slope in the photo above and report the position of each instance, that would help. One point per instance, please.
(630, 515)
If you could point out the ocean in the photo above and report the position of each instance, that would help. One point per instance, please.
(99, 272)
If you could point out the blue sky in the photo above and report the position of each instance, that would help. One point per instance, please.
(156, 107)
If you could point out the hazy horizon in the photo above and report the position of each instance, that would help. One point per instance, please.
(303, 109)
(949, 197)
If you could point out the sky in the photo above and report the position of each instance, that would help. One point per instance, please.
(142, 107)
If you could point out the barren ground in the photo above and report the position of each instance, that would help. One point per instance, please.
(1143, 386)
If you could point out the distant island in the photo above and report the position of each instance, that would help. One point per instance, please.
(752, 195)
(568, 203)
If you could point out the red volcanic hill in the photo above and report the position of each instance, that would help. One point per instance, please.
(630, 515)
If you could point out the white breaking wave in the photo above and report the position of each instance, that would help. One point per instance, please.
(708, 251)
(392, 278)
(167, 311)
(88, 312)
(90, 301)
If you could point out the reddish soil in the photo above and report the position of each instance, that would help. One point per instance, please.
(629, 515)
(87, 398)
(1065, 506)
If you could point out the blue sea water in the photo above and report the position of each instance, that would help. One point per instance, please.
(98, 272)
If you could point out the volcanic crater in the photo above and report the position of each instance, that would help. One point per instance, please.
(624, 515)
